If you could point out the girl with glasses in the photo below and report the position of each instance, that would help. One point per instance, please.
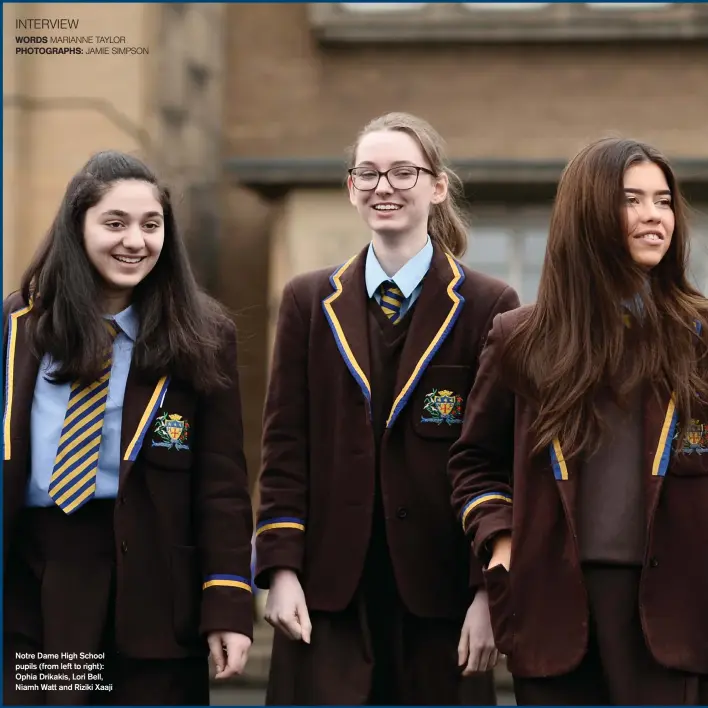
(127, 519)
(374, 593)
(581, 474)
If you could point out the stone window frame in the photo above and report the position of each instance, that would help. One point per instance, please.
(333, 23)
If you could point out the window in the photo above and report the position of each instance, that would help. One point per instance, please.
(477, 22)
(510, 244)
(382, 6)
(508, 6)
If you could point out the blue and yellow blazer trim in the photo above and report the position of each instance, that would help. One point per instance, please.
(283, 522)
(10, 378)
(456, 304)
(483, 499)
(227, 581)
(661, 457)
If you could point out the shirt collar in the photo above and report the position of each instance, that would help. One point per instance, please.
(127, 320)
(407, 279)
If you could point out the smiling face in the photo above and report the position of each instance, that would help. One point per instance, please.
(387, 210)
(123, 237)
(649, 214)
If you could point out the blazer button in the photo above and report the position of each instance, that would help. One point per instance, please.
(124, 546)
(402, 512)
(653, 562)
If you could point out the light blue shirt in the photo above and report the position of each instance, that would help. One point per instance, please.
(409, 279)
(49, 409)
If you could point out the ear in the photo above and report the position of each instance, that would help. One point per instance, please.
(352, 191)
(440, 188)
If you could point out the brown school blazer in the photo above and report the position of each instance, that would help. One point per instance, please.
(183, 522)
(317, 479)
(540, 608)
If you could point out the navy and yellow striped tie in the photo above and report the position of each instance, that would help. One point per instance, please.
(391, 300)
(73, 480)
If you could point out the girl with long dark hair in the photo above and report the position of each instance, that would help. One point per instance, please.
(127, 519)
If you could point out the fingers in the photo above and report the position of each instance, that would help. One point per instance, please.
(286, 622)
(216, 650)
(305, 624)
(481, 658)
(473, 661)
(293, 620)
(236, 656)
(463, 647)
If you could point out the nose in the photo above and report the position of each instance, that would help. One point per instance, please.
(651, 212)
(384, 186)
(133, 238)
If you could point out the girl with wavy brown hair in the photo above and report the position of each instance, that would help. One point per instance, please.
(581, 474)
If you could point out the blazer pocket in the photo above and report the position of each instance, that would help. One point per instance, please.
(500, 607)
(186, 593)
(439, 401)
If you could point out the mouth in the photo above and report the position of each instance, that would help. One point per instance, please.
(130, 260)
(384, 207)
(650, 237)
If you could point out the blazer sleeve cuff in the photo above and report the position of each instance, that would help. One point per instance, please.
(279, 544)
(227, 606)
(497, 522)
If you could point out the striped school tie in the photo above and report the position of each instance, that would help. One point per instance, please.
(73, 480)
(391, 300)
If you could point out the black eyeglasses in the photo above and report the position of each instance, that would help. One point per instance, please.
(366, 179)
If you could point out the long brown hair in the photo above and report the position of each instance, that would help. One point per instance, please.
(180, 325)
(575, 341)
(446, 224)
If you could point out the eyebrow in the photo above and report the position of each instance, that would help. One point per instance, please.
(642, 193)
(124, 214)
(393, 164)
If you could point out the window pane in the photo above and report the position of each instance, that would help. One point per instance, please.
(504, 5)
(488, 246)
(534, 248)
(626, 5)
(529, 285)
(382, 6)
(698, 269)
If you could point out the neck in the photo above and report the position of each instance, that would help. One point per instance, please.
(393, 252)
(115, 302)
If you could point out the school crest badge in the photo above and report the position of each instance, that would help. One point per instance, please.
(171, 431)
(442, 407)
(696, 439)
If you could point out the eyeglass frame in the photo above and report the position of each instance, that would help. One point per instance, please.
(385, 174)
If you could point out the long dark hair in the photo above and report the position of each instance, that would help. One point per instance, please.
(180, 326)
(574, 341)
(446, 223)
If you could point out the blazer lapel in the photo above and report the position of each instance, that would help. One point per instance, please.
(143, 398)
(438, 307)
(659, 427)
(346, 312)
(566, 475)
(660, 419)
(21, 370)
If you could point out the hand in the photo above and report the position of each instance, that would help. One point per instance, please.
(501, 552)
(477, 649)
(229, 652)
(285, 608)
